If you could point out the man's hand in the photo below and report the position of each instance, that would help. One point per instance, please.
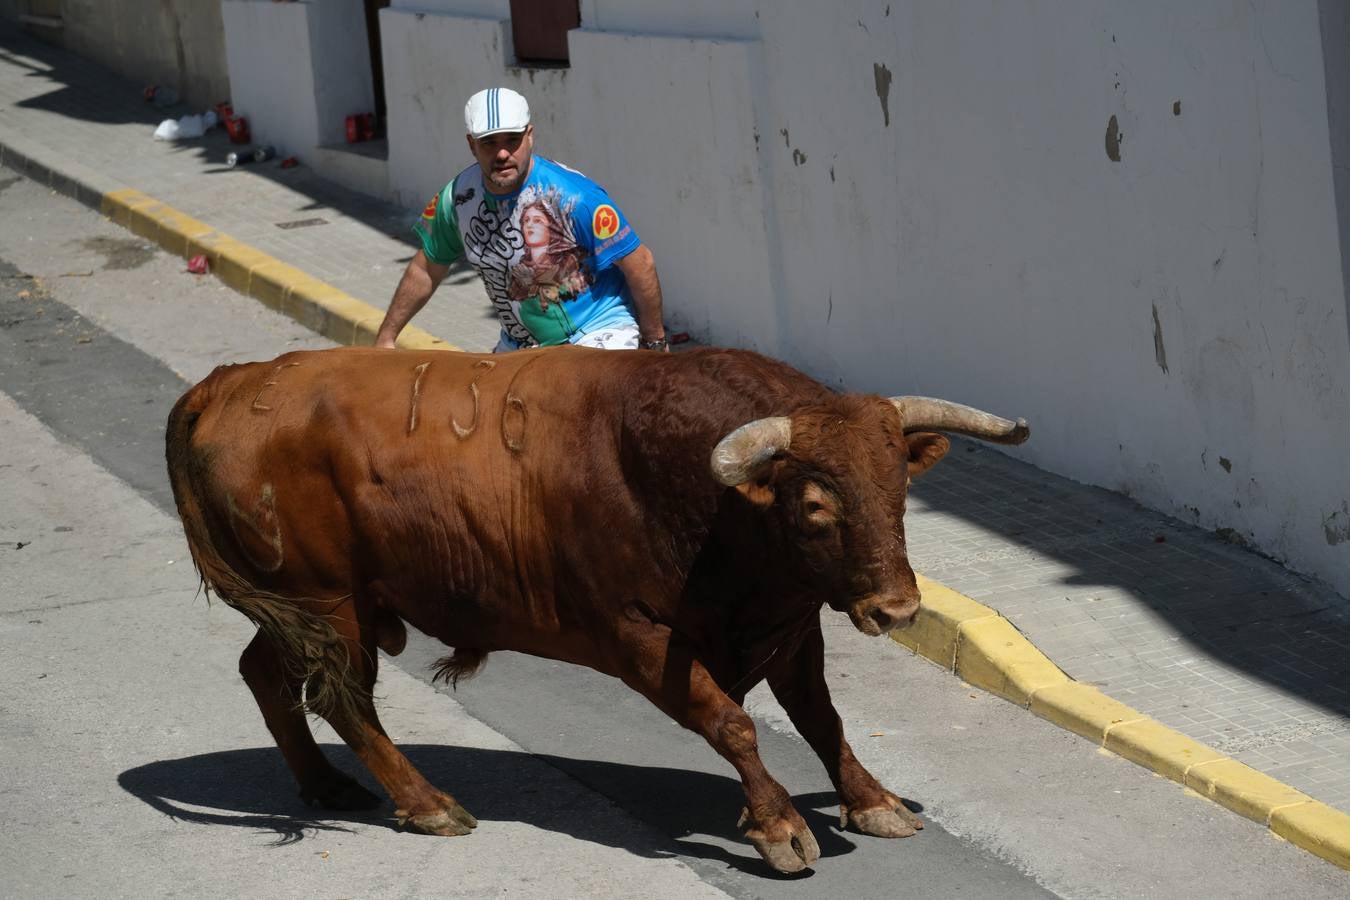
(415, 288)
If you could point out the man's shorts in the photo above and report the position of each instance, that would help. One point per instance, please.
(619, 337)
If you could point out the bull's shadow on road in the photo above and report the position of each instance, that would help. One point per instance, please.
(685, 813)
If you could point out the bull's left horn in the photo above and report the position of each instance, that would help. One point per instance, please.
(931, 414)
(745, 449)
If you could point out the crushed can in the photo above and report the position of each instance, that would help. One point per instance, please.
(360, 127)
(238, 158)
(237, 128)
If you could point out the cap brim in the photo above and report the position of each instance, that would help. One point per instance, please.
(490, 133)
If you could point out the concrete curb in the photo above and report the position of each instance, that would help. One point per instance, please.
(965, 637)
(980, 646)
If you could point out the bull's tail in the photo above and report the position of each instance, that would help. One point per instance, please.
(314, 654)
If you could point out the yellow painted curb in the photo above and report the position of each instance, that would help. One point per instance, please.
(985, 649)
(1155, 746)
(934, 632)
(118, 205)
(331, 312)
(1082, 709)
(236, 261)
(268, 281)
(1242, 789)
(992, 654)
(1317, 828)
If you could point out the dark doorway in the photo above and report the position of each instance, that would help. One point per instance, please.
(373, 8)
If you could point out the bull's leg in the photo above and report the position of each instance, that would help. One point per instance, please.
(278, 696)
(799, 685)
(666, 672)
(417, 803)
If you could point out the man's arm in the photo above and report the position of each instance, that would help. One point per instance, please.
(639, 270)
(415, 288)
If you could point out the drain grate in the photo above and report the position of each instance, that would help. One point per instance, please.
(302, 223)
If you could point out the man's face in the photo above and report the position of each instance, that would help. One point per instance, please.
(505, 158)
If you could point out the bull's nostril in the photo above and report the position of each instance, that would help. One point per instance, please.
(885, 621)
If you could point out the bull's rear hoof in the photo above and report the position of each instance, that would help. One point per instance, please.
(452, 821)
(887, 823)
(338, 791)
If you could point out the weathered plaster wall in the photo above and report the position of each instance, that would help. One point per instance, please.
(168, 42)
(298, 69)
(932, 198)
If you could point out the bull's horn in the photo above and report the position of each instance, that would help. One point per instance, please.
(745, 449)
(930, 414)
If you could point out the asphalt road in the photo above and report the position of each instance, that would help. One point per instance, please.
(135, 763)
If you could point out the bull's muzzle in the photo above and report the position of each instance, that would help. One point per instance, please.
(878, 614)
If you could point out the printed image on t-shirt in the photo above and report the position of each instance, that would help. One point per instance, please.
(547, 254)
(550, 271)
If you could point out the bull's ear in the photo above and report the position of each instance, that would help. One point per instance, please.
(925, 449)
(759, 487)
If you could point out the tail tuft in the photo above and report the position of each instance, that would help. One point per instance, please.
(465, 662)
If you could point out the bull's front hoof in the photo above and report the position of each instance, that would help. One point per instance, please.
(788, 846)
(337, 790)
(884, 821)
(451, 821)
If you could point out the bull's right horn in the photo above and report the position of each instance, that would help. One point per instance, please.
(748, 447)
(931, 414)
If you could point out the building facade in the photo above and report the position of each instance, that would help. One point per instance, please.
(1129, 223)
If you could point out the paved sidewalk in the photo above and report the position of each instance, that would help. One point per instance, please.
(1211, 640)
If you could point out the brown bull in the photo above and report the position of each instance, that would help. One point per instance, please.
(676, 521)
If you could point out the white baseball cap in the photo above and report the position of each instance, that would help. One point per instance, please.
(495, 110)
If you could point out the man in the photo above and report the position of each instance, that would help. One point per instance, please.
(559, 260)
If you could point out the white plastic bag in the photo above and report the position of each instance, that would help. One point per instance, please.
(167, 130)
(210, 119)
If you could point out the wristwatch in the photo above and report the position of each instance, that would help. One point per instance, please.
(660, 344)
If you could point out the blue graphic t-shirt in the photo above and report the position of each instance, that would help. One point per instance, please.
(545, 253)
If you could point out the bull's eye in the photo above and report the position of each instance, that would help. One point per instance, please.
(818, 508)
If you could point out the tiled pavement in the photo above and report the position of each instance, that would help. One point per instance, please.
(1204, 636)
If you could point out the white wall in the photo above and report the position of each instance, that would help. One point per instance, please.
(341, 62)
(297, 70)
(917, 197)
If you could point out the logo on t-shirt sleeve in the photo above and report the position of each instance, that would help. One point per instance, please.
(430, 211)
(605, 222)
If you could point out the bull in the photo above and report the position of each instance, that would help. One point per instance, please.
(675, 521)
